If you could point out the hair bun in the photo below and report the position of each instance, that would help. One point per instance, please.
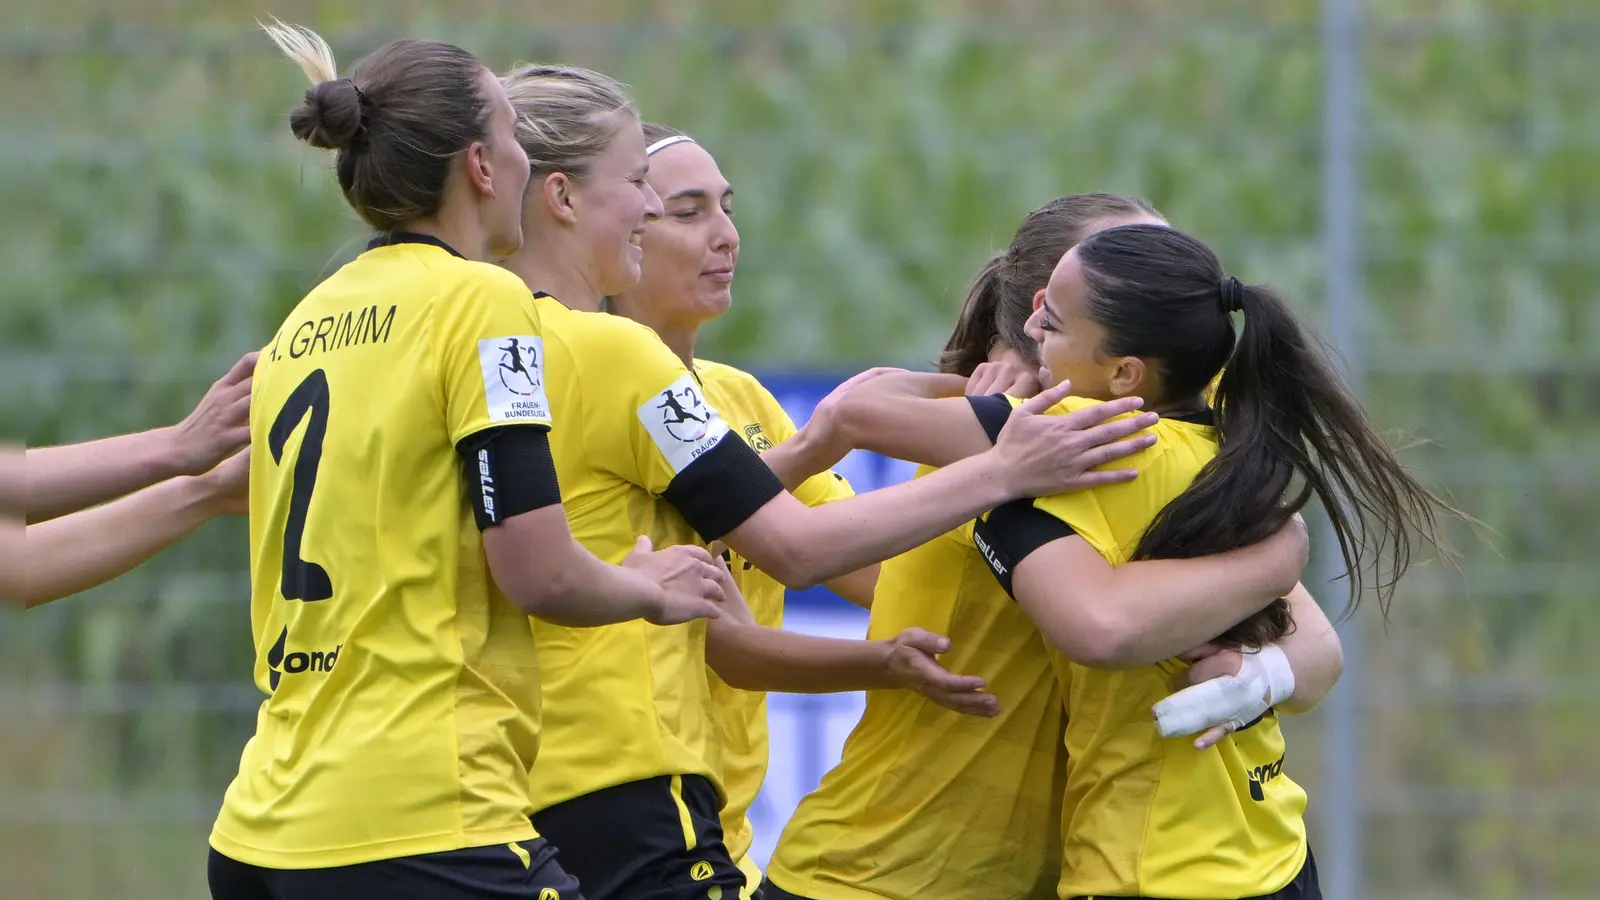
(332, 117)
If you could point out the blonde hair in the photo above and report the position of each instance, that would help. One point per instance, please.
(566, 116)
(394, 121)
(305, 47)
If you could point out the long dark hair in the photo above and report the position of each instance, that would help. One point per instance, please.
(1000, 299)
(1287, 428)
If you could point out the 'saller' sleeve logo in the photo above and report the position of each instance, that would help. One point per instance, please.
(513, 378)
(681, 424)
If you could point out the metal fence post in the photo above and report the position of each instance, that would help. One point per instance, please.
(1340, 794)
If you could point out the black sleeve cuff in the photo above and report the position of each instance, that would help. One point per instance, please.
(722, 488)
(509, 471)
(1010, 532)
(993, 410)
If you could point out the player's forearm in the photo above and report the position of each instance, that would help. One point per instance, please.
(796, 460)
(858, 587)
(823, 542)
(13, 577)
(912, 416)
(588, 593)
(920, 385)
(755, 658)
(1315, 654)
(66, 479)
(1163, 607)
(75, 552)
(13, 482)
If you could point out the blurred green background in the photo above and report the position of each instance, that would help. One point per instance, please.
(166, 221)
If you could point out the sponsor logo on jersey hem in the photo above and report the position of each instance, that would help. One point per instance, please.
(1260, 775)
(281, 663)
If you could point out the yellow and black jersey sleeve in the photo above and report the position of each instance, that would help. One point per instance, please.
(992, 411)
(1006, 535)
(678, 446)
(489, 350)
(490, 354)
(1009, 533)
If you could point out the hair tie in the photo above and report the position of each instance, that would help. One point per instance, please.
(667, 142)
(363, 109)
(1232, 294)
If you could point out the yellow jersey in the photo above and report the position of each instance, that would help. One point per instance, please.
(402, 688)
(741, 716)
(925, 803)
(1143, 815)
(642, 454)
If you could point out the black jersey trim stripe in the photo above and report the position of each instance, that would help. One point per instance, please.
(1010, 532)
(722, 488)
(508, 471)
(992, 411)
(411, 237)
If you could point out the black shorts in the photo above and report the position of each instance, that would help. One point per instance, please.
(496, 872)
(1305, 886)
(657, 839)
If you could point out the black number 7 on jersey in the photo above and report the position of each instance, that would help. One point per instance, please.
(302, 580)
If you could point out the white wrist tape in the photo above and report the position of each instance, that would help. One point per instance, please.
(1233, 701)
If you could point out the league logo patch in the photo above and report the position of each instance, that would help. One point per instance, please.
(681, 424)
(684, 415)
(513, 378)
(519, 368)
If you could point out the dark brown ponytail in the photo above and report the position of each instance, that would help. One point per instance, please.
(975, 333)
(1287, 428)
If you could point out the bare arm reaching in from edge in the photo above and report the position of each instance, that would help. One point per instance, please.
(66, 479)
(13, 486)
(72, 553)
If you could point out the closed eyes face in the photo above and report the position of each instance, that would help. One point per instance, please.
(1061, 327)
(691, 251)
(1069, 341)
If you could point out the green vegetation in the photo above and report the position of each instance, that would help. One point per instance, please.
(172, 222)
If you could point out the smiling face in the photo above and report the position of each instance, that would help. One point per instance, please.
(1069, 341)
(613, 203)
(691, 251)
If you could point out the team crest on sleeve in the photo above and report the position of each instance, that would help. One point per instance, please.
(757, 441)
(680, 422)
(513, 378)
